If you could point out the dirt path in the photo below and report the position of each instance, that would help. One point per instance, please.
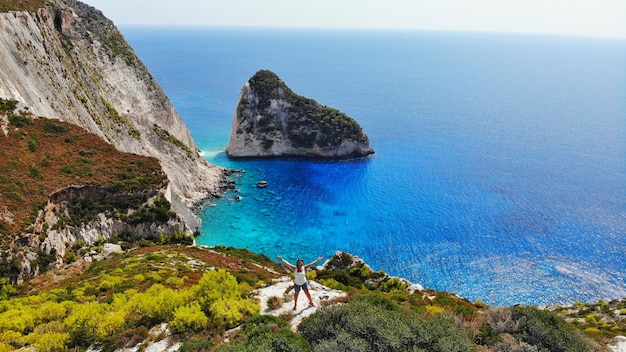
(320, 294)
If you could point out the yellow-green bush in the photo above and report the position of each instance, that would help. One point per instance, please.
(434, 310)
(20, 319)
(156, 305)
(220, 298)
(6, 347)
(84, 320)
(176, 281)
(332, 283)
(49, 341)
(592, 318)
(50, 311)
(112, 323)
(189, 317)
(10, 337)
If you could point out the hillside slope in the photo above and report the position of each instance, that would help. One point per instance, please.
(66, 61)
(191, 298)
(63, 189)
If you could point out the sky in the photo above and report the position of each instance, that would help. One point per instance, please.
(605, 18)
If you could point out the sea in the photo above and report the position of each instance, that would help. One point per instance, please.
(500, 165)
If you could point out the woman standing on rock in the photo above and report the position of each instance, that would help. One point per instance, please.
(300, 282)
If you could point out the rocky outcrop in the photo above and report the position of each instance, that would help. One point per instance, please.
(355, 265)
(271, 120)
(58, 231)
(67, 61)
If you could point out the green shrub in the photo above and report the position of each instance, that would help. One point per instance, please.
(177, 237)
(166, 136)
(361, 326)
(6, 289)
(8, 105)
(378, 300)
(266, 333)
(34, 172)
(393, 284)
(191, 346)
(54, 128)
(4, 347)
(121, 120)
(158, 212)
(45, 259)
(546, 330)
(32, 145)
(19, 121)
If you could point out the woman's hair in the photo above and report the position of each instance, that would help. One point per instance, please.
(300, 260)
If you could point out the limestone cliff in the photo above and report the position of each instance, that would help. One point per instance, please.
(271, 120)
(64, 190)
(67, 61)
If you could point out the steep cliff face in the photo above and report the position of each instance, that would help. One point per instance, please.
(63, 190)
(271, 120)
(67, 61)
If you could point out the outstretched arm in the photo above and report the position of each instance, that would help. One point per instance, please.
(319, 259)
(286, 262)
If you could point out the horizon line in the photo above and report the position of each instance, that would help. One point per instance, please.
(372, 29)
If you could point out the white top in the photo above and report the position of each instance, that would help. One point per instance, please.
(300, 277)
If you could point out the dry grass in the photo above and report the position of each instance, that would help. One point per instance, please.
(274, 302)
(43, 156)
(21, 5)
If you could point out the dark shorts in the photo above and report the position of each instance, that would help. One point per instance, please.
(304, 286)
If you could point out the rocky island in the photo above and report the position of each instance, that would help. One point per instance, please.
(271, 121)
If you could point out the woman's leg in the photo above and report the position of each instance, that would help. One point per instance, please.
(308, 295)
(295, 299)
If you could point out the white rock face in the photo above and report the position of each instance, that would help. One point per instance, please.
(619, 345)
(69, 62)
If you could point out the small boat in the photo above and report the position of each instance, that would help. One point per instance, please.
(261, 184)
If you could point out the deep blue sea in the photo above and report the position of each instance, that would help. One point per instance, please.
(500, 165)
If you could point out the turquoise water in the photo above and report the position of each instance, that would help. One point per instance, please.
(500, 165)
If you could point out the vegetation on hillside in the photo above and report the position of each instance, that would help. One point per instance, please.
(116, 302)
(311, 124)
(40, 156)
(203, 292)
(21, 5)
(166, 136)
(600, 319)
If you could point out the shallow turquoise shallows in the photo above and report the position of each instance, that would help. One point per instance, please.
(500, 165)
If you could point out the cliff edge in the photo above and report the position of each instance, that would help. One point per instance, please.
(271, 120)
(64, 60)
